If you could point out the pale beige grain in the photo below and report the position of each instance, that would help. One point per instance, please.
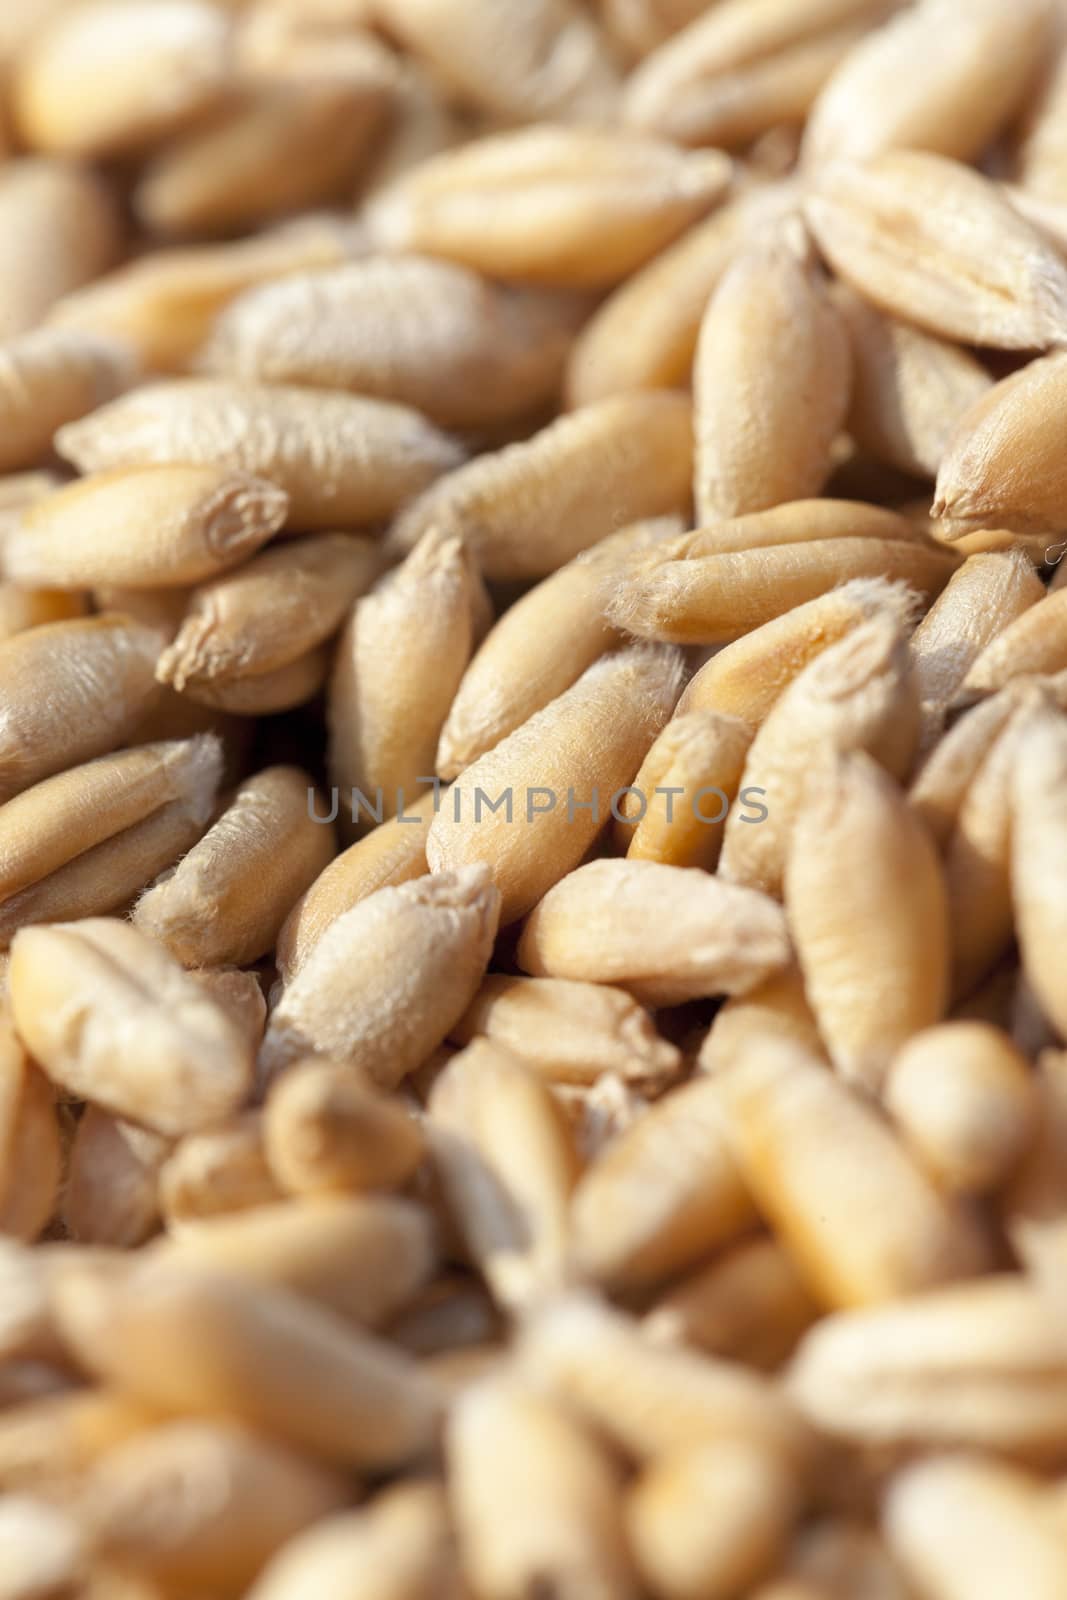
(748, 1304)
(771, 379)
(198, 1342)
(343, 460)
(51, 376)
(398, 664)
(1032, 644)
(268, 692)
(967, 1528)
(868, 909)
(70, 690)
(575, 208)
(31, 1156)
(59, 228)
(392, 853)
(326, 1129)
(388, 980)
(707, 1522)
(667, 934)
(909, 388)
(529, 508)
(570, 1032)
(1038, 841)
(662, 1196)
(204, 1502)
(362, 1257)
(272, 611)
(429, 334)
(933, 242)
(941, 77)
(144, 527)
(277, 147)
(533, 805)
(858, 1215)
(88, 840)
(106, 76)
(858, 694)
(221, 1170)
(111, 1195)
(112, 1018)
(226, 900)
(507, 1165)
(964, 1098)
(508, 1446)
(776, 1009)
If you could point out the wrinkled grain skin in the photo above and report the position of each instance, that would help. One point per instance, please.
(86, 841)
(273, 610)
(771, 381)
(226, 900)
(144, 527)
(569, 1032)
(600, 924)
(909, 389)
(424, 333)
(982, 599)
(673, 91)
(111, 1017)
(567, 208)
(745, 679)
(686, 592)
(387, 705)
(529, 508)
(88, 82)
(875, 951)
(544, 61)
(616, 708)
(70, 690)
(343, 460)
(392, 853)
(663, 1195)
(390, 978)
(940, 77)
(50, 377)
(934, 243)
(859, 694)
(60, 228)
(859, 1216)
(165, 304)
(1003, 463)
(192, 1341)
(506, 1445)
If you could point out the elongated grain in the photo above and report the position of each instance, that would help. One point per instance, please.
(676, 809)
(399, 662)
(572, 208)
(52, 376)
(609, 922)
(874, 947)
(112, 1018)
(343, 460)
(272, 611)
(60, 228)
(771, 381)
(145, 527)
(529, 508)
(390, 978)
(858, 1215)
(326, 1131)
(531, 806)
(935, 243)
(429, 334)
(70, 690)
